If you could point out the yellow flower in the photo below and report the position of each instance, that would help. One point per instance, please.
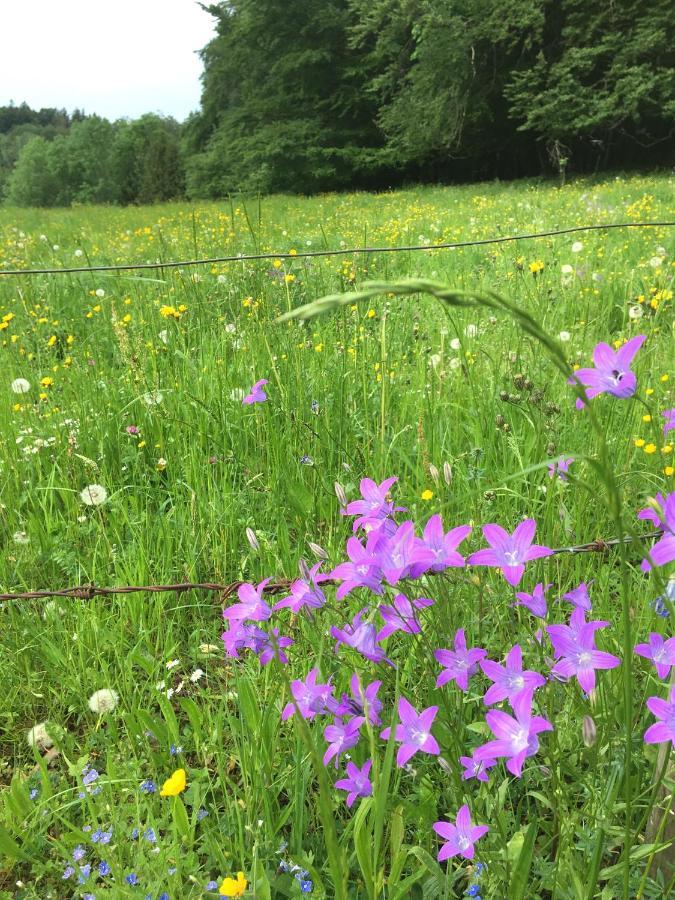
(51, 341)
(650, 448)
(427, 495)
(665, 377)
(288, 278)
(371, 313)
(646, 418)
(175, 785)
(277, 263)
(47, 382)
(667, 448)
(668, 470)
(536, 266)
(640, 442)
(232, 887)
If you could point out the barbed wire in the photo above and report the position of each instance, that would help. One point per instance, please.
(244, 257)
(88, 591)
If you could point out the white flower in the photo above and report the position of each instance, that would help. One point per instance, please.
(173, 663)
(635, 312)
(435, 360)
(164, 336)
(20, 386)
(100, 293)
(196, 675)
(577, 247)
(230, 328)
(153, 398)
(567, 269)
(20, 537)
(78, 253)
(564, 336)
(38, 737)
(471, 330)
(94, 495)
(56, 247)
(103, 701)
(222, 279)
(455, 344)
(43, 237)
(655, 262)
(455, 362)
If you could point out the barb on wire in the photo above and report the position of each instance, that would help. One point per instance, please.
(243, 257)
(88, 591)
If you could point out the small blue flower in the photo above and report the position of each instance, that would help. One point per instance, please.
(33, 794)
(68, 872)
(164, 896)
(306, 886)
(171, 870)
(473, 891)
(90, 777)
(306, 461)
(85, 872)
(131, 878)
(148, 786)
(134, 834)
(174, 751)
(211, 886)
(103, 868)
(202, 813)
(315, 407)
(149, 835)
(86, 828)
(78, 852)
(283, 865)
(88, 896)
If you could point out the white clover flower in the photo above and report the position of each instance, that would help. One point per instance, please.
(455, 344)
(20, 537)
(94, 495)
(20, 386)
(577, 247)
(100, 293)
(103, 701)
(564, 336)
(38, 736)
(635, 312)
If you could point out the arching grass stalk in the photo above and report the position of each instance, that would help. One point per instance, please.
(337, 862)
(603, 466)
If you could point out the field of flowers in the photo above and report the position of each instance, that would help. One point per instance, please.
(445, 702)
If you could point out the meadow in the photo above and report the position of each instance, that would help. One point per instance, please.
(143, 755)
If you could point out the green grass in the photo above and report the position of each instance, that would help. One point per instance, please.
(392, 385)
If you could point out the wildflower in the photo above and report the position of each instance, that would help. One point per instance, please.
(132, 429)
(341, 736)
(510, 552)
(577, 247)
(363, 702)
(560, 468)
(103, 868)
(33, 793)
(94, 495)
(374, 507)
(357, 782)
(401, 616)
(460, 664)
(202, 813)
(361, 636)
(175, 784)
(509, 680)
(79, 853)
(663, 550)
(660, 652)
(153, 398)
(612, 372)
(101, 837)
(516, 737)
(413, 732)
(536, 267)
(402, 553)
(574, 646)
(443, 545)
(161, 464)
(257, 394)
(311, 697)
(474, 768)
(271, 646)
(564, 337)
(103, 701)
(20, 386)
(196, 675)
(361, 571)
(427, 494)
(579, 597)
(232, 887)
(669, 416)
(148, 786)
(663, 730)
(251, 605)
(68, 872)
(89, 776)
(131, 879)
(38, 736)
(460, 837)
(150, 836)
(534, 602)
(305, 592)
(306, 885)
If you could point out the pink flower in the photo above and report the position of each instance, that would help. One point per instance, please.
(663, 730)
(612, 372)
(516, 738)
(257, 394)
(660, 652)
(458, 664)
(509, 552)
(460, 837)
(413, 732)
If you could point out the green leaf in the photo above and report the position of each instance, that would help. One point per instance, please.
(180, 818)
(521, 872)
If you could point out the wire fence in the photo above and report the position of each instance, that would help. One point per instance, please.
(310, 254)
(88, 591)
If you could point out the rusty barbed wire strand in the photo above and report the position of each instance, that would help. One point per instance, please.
(243, 257)
(88, 591)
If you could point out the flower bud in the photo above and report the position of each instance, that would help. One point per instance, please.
(304, 569)
(447, 472)
(340, 494)
(319, 552)
(435, 474)
(589, 731)
(252, 539)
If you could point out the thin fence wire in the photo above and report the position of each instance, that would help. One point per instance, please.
(88, 591)
(310, 254)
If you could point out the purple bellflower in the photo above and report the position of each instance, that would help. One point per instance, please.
(257, 394)
(509, 680)
(458, 664)
(362, 570)
(663, 550)
(516, 738)
(272, 646)
(399, 553)
(240, 636)
(669, 416)
(357, 782)
(363, 702)
(460, 837)
(251, 605)
(560, 468)
(443, 546)
(413, 732)
(401, 616)
(579, 597)
(651, 514)
(305, 592)
(575, 650)
(312, 698)
(612, 372)
(509, 552)
(534, 602)
(664, 710)
(361, 636)
(374, 507)
(660, 652)
(474, 768)
(341, 736)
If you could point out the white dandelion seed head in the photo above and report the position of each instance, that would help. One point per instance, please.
(435, 360)
(93, 495)
(78, 253)
(564, 336)
(230, 328)
(153, 398)
(655, 262)
(455, 362)
(222, 279)
(635, 312)
(103, 701)
(455, 344)
(577, 247)
(38, 736)
(567, 269)
(471, 330)
(20, 537)
(20, 386)
(100, 293)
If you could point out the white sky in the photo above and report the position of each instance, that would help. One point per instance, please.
(116, 58)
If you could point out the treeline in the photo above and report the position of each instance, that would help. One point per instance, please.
(302, 96)
(48, 158)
